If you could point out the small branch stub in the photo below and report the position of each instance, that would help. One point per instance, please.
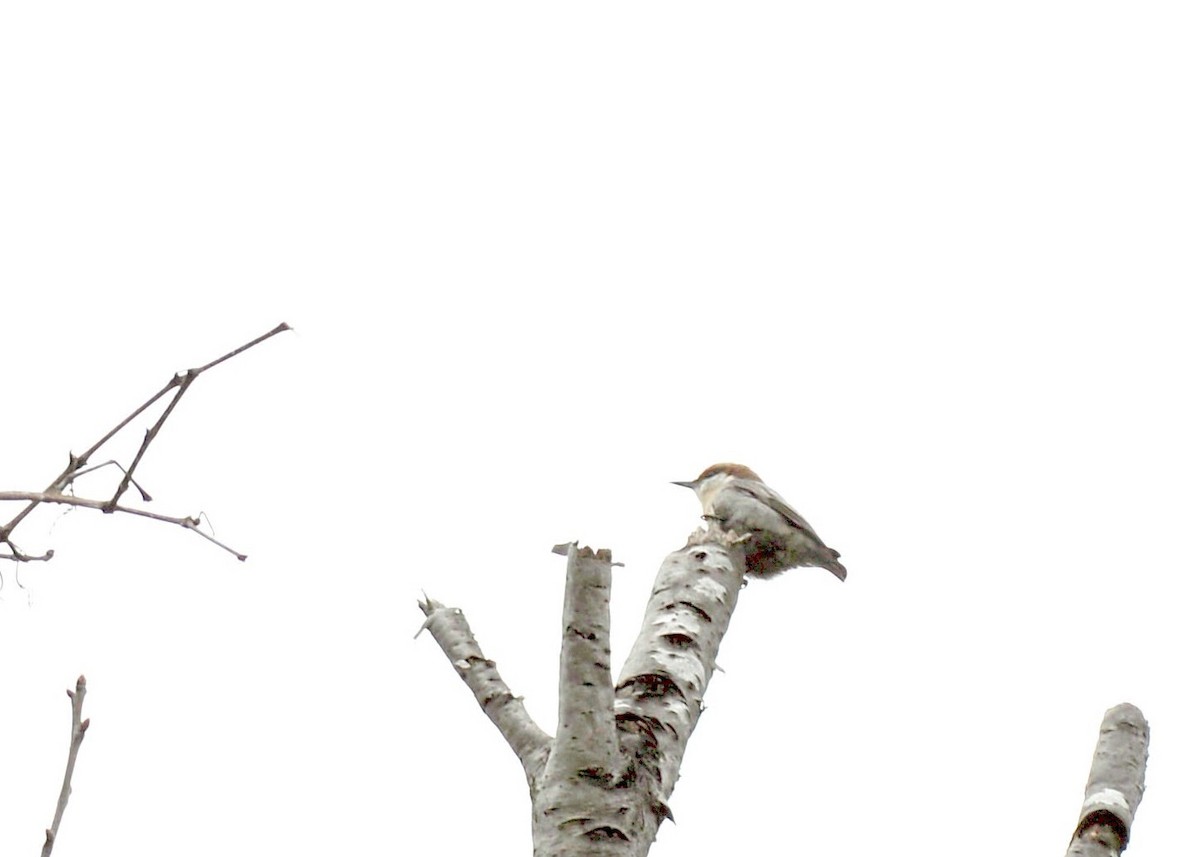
(1115, 786)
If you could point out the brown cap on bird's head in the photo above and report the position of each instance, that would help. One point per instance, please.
(738, 471)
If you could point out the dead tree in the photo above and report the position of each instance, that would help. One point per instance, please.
(600, 784)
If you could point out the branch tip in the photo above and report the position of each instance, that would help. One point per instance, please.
(78, 728)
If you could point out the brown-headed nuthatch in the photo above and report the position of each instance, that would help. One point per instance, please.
(778, 538)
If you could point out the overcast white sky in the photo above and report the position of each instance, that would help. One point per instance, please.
(930, 268)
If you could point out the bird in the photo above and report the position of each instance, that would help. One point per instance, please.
(777, 538)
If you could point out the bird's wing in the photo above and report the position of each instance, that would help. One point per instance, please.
(768, 497)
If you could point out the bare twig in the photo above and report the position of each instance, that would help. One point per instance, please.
(145, 494)
(78, 730)
(189, 522)
(77, 465)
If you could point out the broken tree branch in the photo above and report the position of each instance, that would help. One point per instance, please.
(448, 627)
(1115, 784)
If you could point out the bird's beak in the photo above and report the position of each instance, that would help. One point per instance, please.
(691, 485)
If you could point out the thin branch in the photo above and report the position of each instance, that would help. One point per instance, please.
(188, 522)
(78, 730)
(76, 465)
(183, 381)
(145, 494)
(283, 325)
(18, 556)
(151, 434)
(448, 627)
(193, 524)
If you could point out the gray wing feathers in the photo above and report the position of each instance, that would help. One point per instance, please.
(774, 501)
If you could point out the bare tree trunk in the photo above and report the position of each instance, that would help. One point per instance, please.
(600, 785)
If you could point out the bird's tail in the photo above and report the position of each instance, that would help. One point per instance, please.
(831, 563)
